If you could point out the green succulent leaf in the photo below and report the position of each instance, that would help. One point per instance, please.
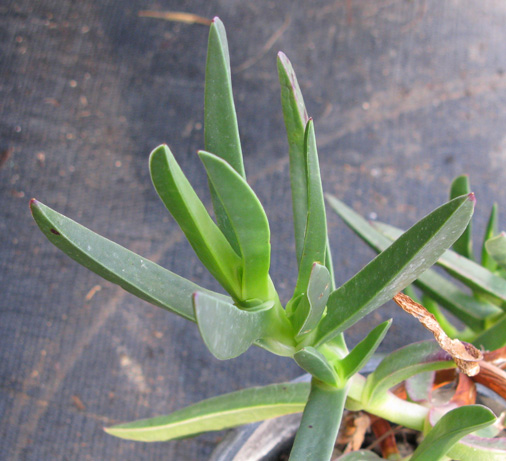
(296, 119)
(473, 447)
(316, 364)
(404, 363)
(221, 132)
(359, 455)
(228, 331)
(467, 271)
(464, 244)
(362, 352)
(496, 248)
(229, 410)
(248, 222)
(205, 237)
(311, 305)
(135, 274)
(320, 422)
(491, 231)
(450, 429)
(419, 386)
(466, 308)
(315, 238)
(395, 268)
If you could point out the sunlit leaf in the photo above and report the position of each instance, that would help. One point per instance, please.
(229, 410)
(115, 263)
(464, 244)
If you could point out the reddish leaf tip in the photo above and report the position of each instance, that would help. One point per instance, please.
(472, 197)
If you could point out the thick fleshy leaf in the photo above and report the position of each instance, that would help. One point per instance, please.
(494, 337)
(404, 363)
(464, 244)
(362, 352)
(472, 448)
(320, 422)
(311, 306)
(470, 310)
(472, 274)
(360, 455)
(316, 364)
(205, 237)
(315, 237)
(115, 263)
(229, 410)
(491, 231)
(496, 247)
(227, 330)
(395, 268)
(248, 222)
(296, 118)
(450, 429)
(221, 132)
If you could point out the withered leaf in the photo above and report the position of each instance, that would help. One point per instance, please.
(465, 355)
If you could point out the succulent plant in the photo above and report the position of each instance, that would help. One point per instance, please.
(235, 248)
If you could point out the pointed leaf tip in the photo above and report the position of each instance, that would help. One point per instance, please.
(472, 197)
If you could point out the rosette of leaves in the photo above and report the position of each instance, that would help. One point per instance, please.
(235, 248)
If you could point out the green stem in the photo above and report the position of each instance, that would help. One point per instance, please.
(320, 422)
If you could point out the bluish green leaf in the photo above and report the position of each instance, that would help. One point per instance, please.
(217, 413)
(362, 352)
(221, 132)
(296, 118)
(320, 422)
(395, 268)
(464, 244)
(450, 429)
(311, 306)
(467, 271)
(132, 272)
(316, 364)
(248, 222)
(315, 238)
(419, 386)
(227, 330)
(496, 248)
(404, 363)
(491, 230)
(470, 310)
(205, 237)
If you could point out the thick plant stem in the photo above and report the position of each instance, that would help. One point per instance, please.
(388, 406)
(320, 422)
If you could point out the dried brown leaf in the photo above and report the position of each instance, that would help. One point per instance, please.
(465, 355)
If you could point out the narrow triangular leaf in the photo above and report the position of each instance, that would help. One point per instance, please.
(403, 363)
(296, 118)
(205, 237)
(221, 132)
(315, 237)
(472, 274)
(362, 352)
(491, 231)
(316, 364)
(450, 429)
(320, 422)
(217, 413)
(395, 268)
(464, 244)
(228, 331)
(248, 222)
(115, 263)
(310, 308)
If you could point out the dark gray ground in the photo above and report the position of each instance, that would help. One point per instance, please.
(405, 95)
